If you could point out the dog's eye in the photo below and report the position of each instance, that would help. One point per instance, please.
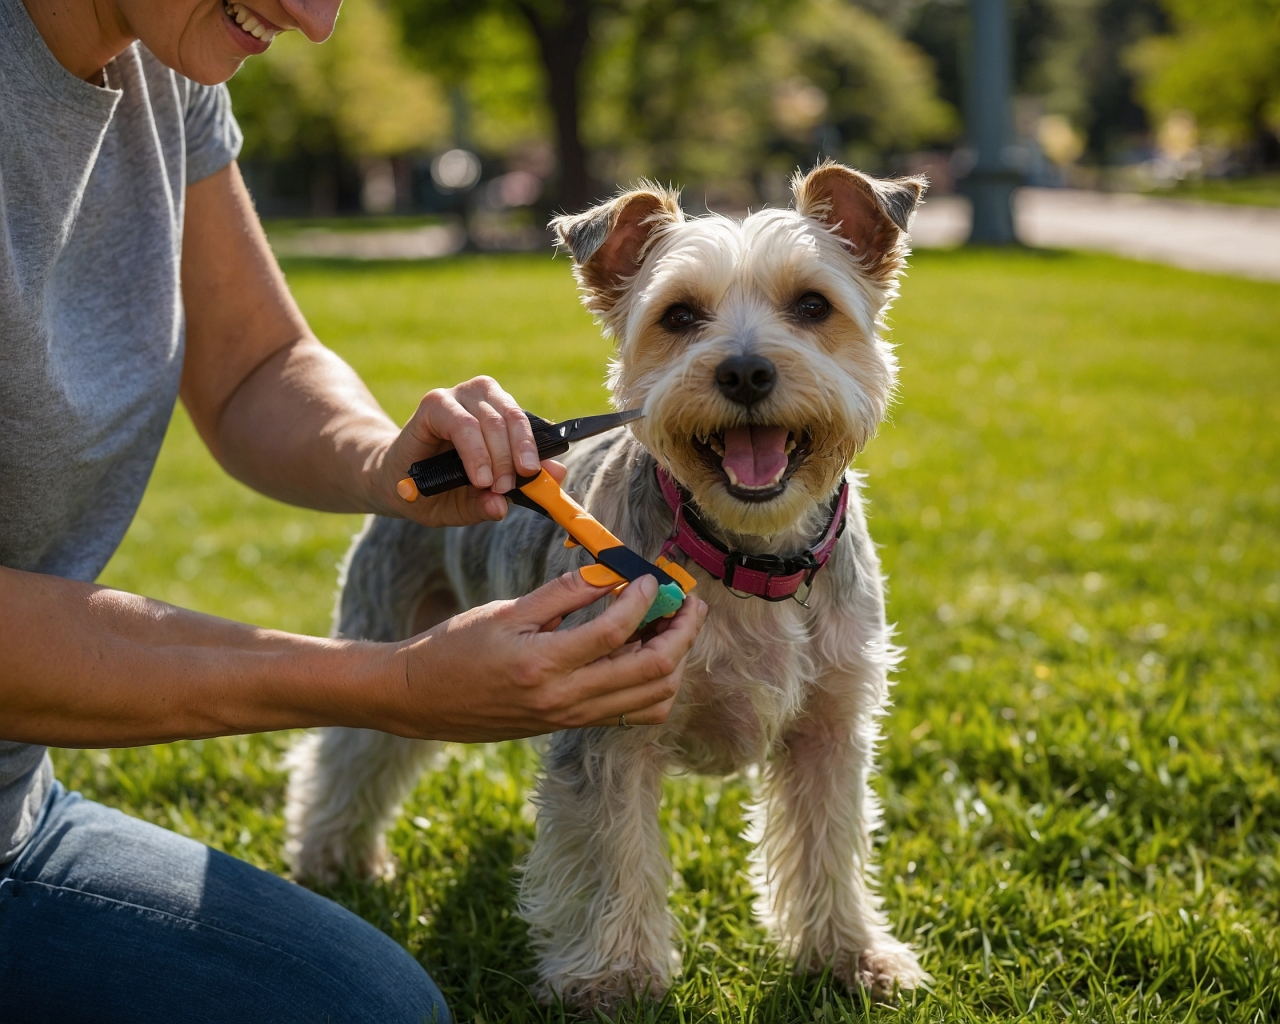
(813, 306)
(679, 318)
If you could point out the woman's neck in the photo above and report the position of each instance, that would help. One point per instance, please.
(84, 35)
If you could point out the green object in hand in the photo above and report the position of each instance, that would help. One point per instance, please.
(668, 601)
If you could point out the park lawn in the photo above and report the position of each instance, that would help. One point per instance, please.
(1258, 190)
(1078, 502)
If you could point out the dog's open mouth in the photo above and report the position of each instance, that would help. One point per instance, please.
(755, 462)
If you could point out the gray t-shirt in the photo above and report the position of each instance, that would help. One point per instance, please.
(92, 184)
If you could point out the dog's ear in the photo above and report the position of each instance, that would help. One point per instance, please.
(871, 214)
(608, 242)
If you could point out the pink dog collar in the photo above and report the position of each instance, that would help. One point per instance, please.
(768, 576)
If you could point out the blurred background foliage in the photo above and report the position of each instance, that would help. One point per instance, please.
(727, 96)
(1222, 66)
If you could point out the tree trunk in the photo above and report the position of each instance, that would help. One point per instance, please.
(562, 42)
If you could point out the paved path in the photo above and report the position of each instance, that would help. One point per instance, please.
(422, 243)
(1241, 240)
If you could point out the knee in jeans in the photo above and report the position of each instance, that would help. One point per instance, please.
(398, 989)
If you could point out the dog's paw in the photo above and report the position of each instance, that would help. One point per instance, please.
(324, 860)
(885, 969)
(606, 993)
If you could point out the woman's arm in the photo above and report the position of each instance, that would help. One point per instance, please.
(291, 419)
(82, 665)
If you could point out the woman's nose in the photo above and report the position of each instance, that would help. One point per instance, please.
(314, 17)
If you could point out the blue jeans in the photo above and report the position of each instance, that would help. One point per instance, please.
(106, 918)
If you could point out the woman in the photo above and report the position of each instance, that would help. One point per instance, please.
(133, 270)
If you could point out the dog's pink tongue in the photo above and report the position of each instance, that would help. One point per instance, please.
(755, 454)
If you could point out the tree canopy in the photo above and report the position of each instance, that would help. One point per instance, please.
(1221, 63)
(697, 90)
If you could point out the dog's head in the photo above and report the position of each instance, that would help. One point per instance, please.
(754, 347)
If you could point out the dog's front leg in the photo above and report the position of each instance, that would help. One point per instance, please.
(813, 825)
(345, 787)
(594, 890)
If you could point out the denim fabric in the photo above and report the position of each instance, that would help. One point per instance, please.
(106, 918)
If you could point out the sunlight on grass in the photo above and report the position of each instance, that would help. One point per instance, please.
(1078, 499)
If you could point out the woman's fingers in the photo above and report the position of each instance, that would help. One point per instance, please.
(608, 631)
(506, 430)
(653, 662)
(496, 440)
(519, 435)
(556, 599)
(448, 419)
(632, 704)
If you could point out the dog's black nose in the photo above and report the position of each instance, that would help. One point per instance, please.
(746, 379)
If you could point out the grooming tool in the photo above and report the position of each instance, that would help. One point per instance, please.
(616, 565)
(445, 471)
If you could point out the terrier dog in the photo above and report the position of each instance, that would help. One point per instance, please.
(755, 350)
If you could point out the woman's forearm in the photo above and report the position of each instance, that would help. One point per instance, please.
(82, 665)
(86, 666)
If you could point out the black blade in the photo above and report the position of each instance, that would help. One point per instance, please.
(445, 471)
(590, 426)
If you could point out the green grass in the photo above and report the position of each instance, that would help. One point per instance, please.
(1078, 499)
(1258, 190)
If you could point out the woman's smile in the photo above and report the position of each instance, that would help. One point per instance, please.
(249, 29)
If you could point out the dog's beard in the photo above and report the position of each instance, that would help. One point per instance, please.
(761, 478)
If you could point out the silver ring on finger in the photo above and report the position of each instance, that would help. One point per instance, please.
(623, 723)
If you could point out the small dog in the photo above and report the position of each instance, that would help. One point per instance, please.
(755, 349)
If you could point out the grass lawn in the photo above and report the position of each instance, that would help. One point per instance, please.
(1258, 190)
(1078, 499)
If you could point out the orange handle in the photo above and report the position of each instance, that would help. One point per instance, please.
(566, 512)
(585, 529)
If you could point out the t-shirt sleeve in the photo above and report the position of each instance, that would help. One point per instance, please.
(213, 137)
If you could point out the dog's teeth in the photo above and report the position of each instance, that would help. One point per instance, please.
(717, 446)
(733, 477)
(791, 446)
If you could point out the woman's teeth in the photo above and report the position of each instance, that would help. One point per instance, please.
(242, 17)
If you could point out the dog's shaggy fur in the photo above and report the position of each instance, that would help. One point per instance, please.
(796, 690)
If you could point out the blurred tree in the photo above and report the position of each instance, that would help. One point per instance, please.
(754, 89)
(443, 34)
(1067, 53)
(694, 89)
(357, 94)
(1221, 63)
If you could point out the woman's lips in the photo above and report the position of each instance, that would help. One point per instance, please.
(250, 31)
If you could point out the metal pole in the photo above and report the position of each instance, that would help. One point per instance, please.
(991, 183)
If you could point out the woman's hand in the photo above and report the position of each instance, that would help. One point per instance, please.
(491, 434)
(503, 670)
